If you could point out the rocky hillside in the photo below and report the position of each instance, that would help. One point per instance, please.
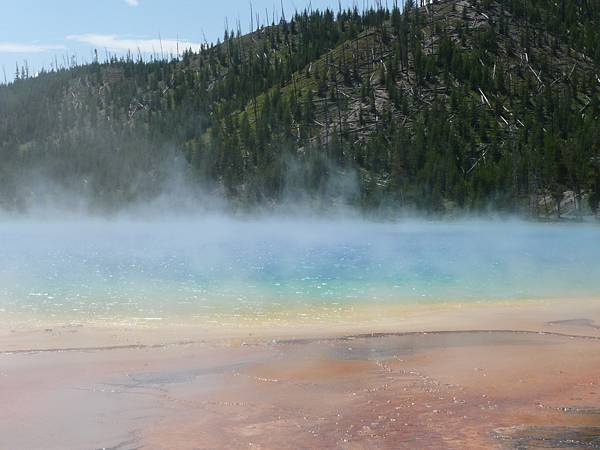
(456, 105)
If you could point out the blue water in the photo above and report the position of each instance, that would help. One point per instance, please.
(215, 268)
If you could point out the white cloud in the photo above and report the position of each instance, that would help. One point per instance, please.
(16, 47)
(132, 2)
(119, 43)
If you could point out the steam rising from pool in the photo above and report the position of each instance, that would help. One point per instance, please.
(219, 270)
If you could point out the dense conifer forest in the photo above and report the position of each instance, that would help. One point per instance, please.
(457, 105)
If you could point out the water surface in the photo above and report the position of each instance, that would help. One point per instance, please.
(218, 270)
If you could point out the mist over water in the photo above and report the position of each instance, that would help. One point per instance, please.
(218, 269)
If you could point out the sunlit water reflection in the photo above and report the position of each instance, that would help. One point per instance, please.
(227, 270)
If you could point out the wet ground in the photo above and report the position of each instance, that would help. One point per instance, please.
(456, 390)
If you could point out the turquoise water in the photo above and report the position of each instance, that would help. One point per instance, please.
(214, 268)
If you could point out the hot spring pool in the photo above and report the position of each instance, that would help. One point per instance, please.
(218, 269)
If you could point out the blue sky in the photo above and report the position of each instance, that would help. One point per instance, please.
(44, 31)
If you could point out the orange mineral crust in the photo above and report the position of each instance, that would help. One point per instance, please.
(535, 386)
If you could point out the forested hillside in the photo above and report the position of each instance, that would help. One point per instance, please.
(458, 105)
